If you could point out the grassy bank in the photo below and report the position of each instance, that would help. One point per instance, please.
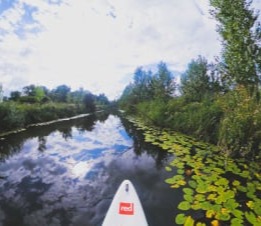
(15, 116)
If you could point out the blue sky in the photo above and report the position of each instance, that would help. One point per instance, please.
(98, 44)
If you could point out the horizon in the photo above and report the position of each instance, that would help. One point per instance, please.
(97, 45)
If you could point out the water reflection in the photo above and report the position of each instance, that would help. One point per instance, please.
(66, 173)
(140, 146)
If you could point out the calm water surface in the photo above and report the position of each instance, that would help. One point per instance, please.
(67, 173)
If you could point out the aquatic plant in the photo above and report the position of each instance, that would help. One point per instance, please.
(224, 189)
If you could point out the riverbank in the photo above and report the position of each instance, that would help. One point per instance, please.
(217, 189)
(18, 116)
(2, 135)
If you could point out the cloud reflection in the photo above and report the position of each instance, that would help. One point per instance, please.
(60, 174)
(72, 179)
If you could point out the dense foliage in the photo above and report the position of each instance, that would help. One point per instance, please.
(39, 104)
(194, 112)
(241, 36)
(217, 102)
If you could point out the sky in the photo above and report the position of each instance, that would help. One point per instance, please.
(98, 44)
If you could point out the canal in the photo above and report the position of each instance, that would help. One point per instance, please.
(66, 173)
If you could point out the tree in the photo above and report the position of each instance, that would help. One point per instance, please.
(29, 90)
(241, 35)
(142, 80)
(77, 96)
(195, 82)
(39, 93)
(102, 99)
(89, 102)
(15, 95)
(60, 94)
(127, 99)
(33, 94)
(163, 85)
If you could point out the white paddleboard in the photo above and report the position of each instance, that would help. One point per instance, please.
(125, 209)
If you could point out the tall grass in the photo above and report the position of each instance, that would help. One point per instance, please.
(14, 116)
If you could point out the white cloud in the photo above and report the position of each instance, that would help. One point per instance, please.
(97, 44)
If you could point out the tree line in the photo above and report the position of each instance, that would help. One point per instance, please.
(36, 104)
(218, 102)
(60, 94)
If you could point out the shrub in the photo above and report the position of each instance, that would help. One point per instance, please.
(11, 117)
(200, 119)
(15, 115)
(240, 129)
(153, 112)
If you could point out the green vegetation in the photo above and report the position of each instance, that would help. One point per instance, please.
(217, 190)
(215, 102)
(38, 104)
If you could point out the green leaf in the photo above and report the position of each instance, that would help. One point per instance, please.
(221, 182)
(200, 224)
(242, 188)
(200, 197)
(231, 204)
(180, 171)
(168, 169)
(188, 198)
(192, 183)
(223, 216)
(238, 214)
(236, 183)
(189, 221)
(206, 206)
(237, 222)
(202, 188)
(250, 216)
(180, 219)
(184, 205)
(188, 191)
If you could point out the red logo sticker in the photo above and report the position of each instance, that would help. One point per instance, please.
(126, 208)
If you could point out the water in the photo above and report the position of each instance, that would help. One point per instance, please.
(67, 173)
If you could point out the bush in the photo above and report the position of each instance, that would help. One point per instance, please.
(14, 115)
(240, 129)
(200, 119)
(153, 112)
(11, 117)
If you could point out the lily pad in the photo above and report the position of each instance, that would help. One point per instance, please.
(192, 183)
(237, 222)
(200, 197)
(168, 169)
(224, 216)
(231, 204)
(188, 191)
(210, 213)
(184, 205)
(212, 197)
(237, 213)
(236, 183)
(188, 198)
(206, 206)
(215, 223)
(189, 221)
(180, 171)
(244, 174)
(222, 182)
(180, 219)
(200, 224)
(251, 217)
(257, 208)
(202, 188)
